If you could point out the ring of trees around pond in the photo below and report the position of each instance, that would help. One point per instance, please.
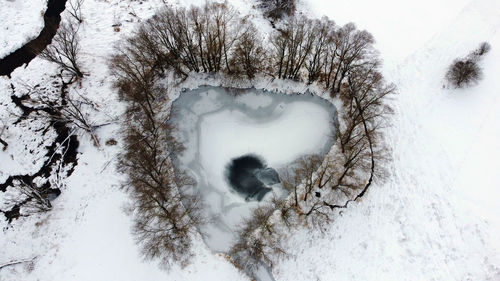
(216, 40)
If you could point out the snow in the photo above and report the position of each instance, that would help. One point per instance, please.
(21, 21)
(436, 218)
(399, 27)
(215, 127)
(87, 235)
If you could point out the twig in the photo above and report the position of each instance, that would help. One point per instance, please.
(14, 262)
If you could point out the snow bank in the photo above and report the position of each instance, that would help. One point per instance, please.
(20, 22)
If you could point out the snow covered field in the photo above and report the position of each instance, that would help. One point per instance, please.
(400, 27)
(216, 127)
(435, 219)
(20, 21)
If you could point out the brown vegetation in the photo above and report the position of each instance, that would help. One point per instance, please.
(164, 218)
(195, 39)
(319, 51)
(248, 58)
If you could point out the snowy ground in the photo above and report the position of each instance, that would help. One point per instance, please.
(400, 27)
(87, 234)
(20, 22)
(436, 218)
(215, 127)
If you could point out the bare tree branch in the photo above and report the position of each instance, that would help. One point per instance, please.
(65, 49)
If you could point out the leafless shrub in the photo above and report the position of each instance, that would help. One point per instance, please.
(72, 112)
(69, 110)
(65, 49)
(483, 48)
(463, 72)
(466, 71)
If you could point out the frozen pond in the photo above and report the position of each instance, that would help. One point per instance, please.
(235, 142)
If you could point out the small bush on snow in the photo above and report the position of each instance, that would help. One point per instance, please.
(466, 71)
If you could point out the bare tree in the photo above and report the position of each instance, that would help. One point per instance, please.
(277, 9)
(259, 240)
(75, 9)
(291, 182)
(361, 152)
(65, 49)
(164, 218)
(351, 49)
(219, 35)
(196, 39)
(291, 47)
(324, 31)
(320, 50)
(139, 61)
(304, 169)
(248, 57)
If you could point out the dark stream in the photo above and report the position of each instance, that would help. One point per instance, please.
(30, 50)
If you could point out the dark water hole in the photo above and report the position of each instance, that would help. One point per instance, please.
(249, 176)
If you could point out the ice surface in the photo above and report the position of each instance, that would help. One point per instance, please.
(218, 125)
